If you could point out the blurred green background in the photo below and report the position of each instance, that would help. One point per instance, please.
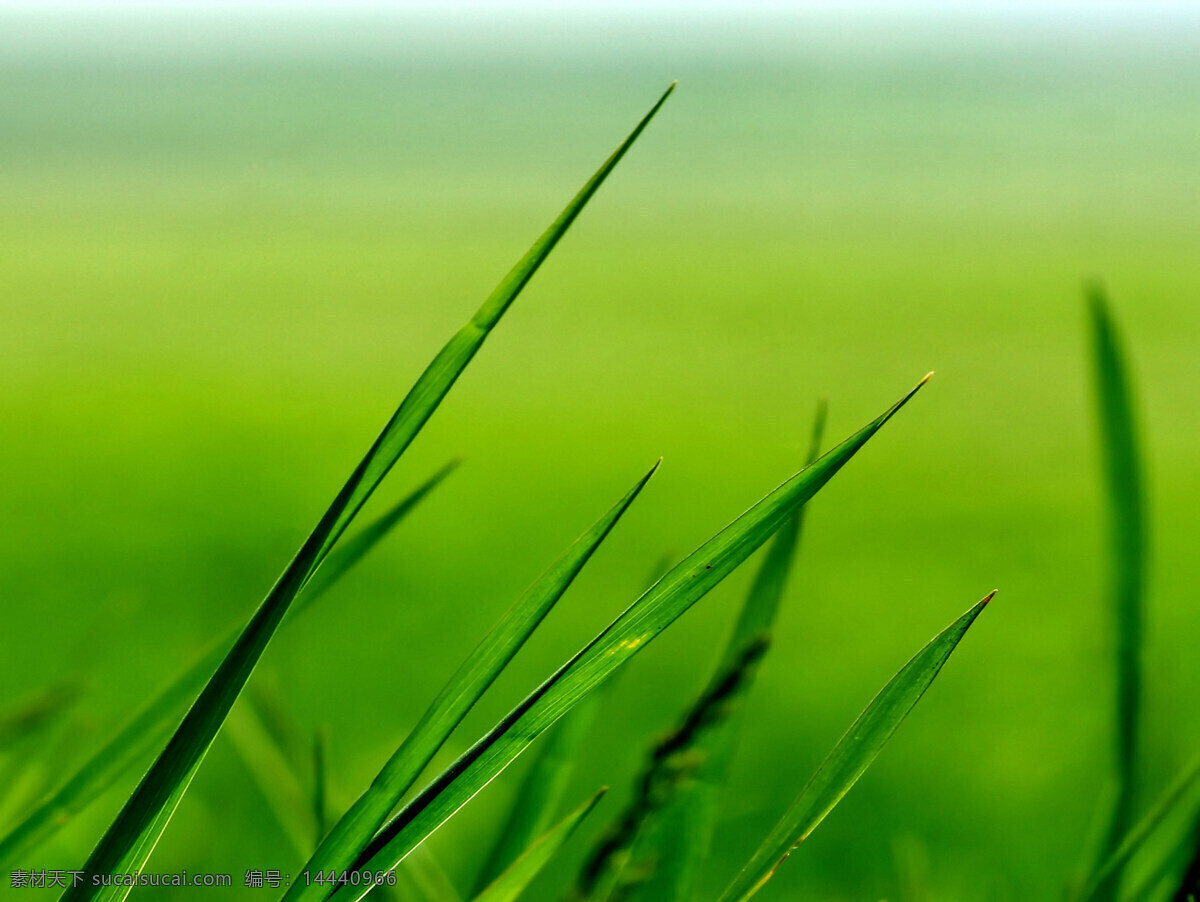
(231, 238)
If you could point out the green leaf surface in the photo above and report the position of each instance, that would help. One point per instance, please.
(541, 791)
(509, 885)
(422, 879)
(1137, 836)
(654, 611)
(150, 726)
(349, 552)
(850, 758)
(673, 815)
(1126, 503)
(355, 829)
(131, 839)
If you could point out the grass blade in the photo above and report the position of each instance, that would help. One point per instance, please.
(273, 774)
(651, 823)
(1166, 877)
(509, 885)
(851, 757)
(1126, 502)
(355, 829)
(1141, 831)
(348, 553)
(128, 843)
(422, 880)
(134, 743)
(672, 816)
(658, 607)
(541, 791)
(546, 782)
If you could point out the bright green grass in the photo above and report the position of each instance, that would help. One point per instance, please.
(199, 271)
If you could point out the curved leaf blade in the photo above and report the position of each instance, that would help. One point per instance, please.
(513, 880)
(1127, 536)
(356, 828)
(131, 839)
(134, 742)
(654, 611)
(851, 757)
(541, 791)
(1141, 831)
(672, 831)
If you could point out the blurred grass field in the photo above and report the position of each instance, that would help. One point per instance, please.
(229, 242)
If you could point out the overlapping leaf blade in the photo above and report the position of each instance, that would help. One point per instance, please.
(654, 849)
(1136, 837)
(511, 882)
(541, 790)
(356, 828)
(130, 840)
(135, 741)
(850, 758)
(657, 608)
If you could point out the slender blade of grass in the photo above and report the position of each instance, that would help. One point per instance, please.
(654, 611)
(131, 839)
(851, 757)
(1126, 503)
(546, 782)
(541, 790)
(1137, 836)
(355, 829)
(424, 880)
(509, 885)
(272, 773)
(1162, 881)
(150, 726)
(348, 553)
(668, 828)
(627, 858)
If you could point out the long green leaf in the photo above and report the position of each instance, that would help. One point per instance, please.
(657, 608)
(850, 758)
(1129, 844)
(134, 743)
(1123, 481)
(131, 839)
(509, 885)
(356, 547)
(672, 817)
(355, 829)
(546, 782)
(541, 790)
(650, 826)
